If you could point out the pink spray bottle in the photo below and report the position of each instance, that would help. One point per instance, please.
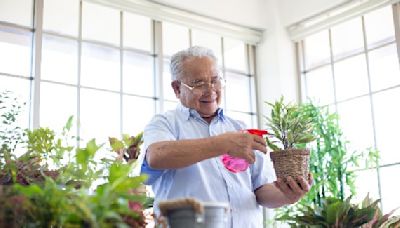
(235, 164)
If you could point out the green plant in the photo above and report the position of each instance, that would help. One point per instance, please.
(330, 162)
(54, 184)
(11, 134)
(289, 125)
(42, 147)
(379, 218)
(128, 147)
(334, 213)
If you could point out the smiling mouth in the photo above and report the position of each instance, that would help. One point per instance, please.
(208, 101)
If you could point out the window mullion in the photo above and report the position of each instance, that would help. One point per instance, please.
(121, 70)
(158, 66)
(371, 102)
(36, 62)
(78, 86)
(396, 18)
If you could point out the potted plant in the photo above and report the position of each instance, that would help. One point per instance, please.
(338, 213)
(289, 130)
(332, 166)
(44, 182)
(128, 149)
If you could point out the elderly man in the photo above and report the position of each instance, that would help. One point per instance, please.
(182, 148)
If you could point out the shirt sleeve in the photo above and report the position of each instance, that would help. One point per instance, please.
(159, 129)
(262, 171)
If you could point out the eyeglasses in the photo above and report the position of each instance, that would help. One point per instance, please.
(201, 86)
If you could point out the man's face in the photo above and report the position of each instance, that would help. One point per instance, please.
(197, 70)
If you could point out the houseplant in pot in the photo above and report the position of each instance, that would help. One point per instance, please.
(332, 165)
(46, 182)
(289, 131)
(337, 213)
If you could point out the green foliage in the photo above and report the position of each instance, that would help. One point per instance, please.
(69, 195)
(11, 134)
(289, 125)
(128, 147)
(379, 219)
(334, 213)
(331, 163)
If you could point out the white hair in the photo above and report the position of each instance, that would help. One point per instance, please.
(176, 65)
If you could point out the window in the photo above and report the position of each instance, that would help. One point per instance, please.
(358, 75)
(107, 76)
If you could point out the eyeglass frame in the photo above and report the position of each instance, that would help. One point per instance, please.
(209, 84)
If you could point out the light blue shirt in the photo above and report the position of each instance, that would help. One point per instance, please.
(208, 180)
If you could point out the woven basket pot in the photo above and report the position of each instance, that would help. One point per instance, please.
(291, 162)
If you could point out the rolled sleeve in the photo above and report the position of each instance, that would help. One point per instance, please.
(157, 130)
(262, 171)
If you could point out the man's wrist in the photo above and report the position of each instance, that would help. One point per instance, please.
(217, 145)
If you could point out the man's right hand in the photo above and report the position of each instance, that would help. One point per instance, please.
(242, 144)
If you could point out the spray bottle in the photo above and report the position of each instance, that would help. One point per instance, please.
(235, 164)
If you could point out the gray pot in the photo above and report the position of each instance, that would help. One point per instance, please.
(215, 216)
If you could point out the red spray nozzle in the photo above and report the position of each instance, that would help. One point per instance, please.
(239, 164)
(257, 132)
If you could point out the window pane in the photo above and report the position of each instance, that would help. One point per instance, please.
(238, 92)
(59, 59)
(209, 40)
(137, 32)
(316, 49)
(379, 25)
(137, 113)
(100, 67)
(100, 23)
(366, 183)
(17, 12)
(54, 113)
(168, 91)
(100, 115)
(387, 124)
(15, 54)
(138, 74)
(356, 122)
(20, 89)
(235, 55)
(61, 16)
(351, 77)
(342, 42)
(246, 118)
(253, 94)
(175, 38)
(319, 85)
(384, 67)
(390, 188)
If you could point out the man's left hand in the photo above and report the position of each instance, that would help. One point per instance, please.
(294, 189)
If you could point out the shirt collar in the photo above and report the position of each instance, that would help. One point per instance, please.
(189, 112)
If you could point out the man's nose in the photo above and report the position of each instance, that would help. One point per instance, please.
(209, 89)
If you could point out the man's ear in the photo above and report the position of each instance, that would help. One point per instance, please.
(177, 88)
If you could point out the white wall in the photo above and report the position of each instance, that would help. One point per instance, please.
(276, 63)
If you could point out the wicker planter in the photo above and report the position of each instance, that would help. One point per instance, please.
(291, 162)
